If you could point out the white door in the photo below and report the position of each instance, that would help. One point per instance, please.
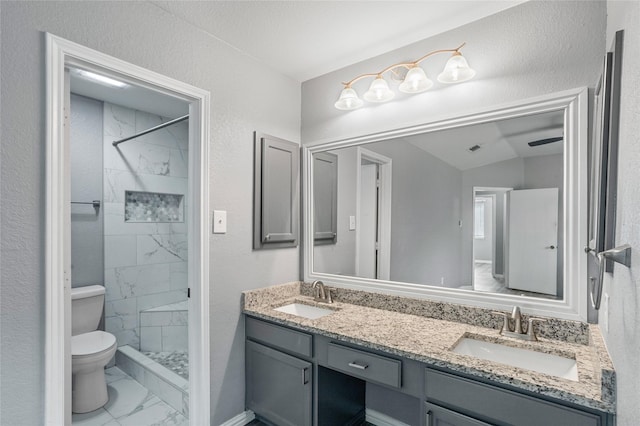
(533, 240)
(368, 222)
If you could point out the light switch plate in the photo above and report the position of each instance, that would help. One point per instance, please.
(352, 223)
(219, 221)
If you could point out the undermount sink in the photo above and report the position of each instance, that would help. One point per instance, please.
(553, 365)
(305, 311)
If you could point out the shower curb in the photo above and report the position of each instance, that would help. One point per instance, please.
(164, 383)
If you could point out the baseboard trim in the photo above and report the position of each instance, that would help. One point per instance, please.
(241, 419)
(380, 419)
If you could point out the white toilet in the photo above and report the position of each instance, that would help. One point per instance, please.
(91, 349)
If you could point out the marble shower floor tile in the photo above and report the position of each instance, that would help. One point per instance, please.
(129, 404)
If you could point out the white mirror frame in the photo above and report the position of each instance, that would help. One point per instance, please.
(574, 305)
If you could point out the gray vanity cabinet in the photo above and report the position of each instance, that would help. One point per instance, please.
(449, 395)
(279, 386)
(439, 416)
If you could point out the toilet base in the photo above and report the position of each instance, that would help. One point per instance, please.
(89, 391)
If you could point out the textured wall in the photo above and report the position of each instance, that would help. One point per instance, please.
(243, 93)
(87, 240)
(623, 337)
(532, 49)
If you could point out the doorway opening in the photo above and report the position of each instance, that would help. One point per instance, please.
(127, 209)
(373, 212)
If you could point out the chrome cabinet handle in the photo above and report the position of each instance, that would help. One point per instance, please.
(358, 366)
(304, 376)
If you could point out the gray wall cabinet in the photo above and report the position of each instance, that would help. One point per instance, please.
(308, 379)
(325, 198)
(276, 189)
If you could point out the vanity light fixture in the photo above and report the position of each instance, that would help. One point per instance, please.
(456, 70)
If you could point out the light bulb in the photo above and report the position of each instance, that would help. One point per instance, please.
(456, 70)
(415, 81)
(348, 100)
(378, 91)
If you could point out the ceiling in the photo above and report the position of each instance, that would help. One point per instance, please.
(306, 39)
(498, 141)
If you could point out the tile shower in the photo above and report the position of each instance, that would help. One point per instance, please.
(145, 186)
(144, 229)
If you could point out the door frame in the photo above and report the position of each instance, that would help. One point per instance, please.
(384, 210)
(61, 53)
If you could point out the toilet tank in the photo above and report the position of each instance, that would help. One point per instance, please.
(86, 308)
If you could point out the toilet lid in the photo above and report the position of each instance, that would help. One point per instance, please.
(91, 343)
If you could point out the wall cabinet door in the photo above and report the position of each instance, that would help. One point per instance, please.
(325, 198)
(276, 188)
(438, 416)
(279, 386)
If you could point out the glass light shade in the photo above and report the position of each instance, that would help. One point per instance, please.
(348, 100)
(456, 71)
(379, 91)
(415, 81)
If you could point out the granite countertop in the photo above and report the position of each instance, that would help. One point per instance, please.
(398, 331)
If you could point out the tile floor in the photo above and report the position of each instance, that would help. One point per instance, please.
(483, 280)
(130, 404)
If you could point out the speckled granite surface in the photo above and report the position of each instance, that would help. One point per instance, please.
(404, 327)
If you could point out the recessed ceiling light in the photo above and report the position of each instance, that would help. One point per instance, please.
(101, 78)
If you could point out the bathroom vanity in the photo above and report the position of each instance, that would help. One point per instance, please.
(304, 371)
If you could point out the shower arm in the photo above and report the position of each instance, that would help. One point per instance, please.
(153, 129)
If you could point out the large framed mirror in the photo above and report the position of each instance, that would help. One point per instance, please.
(489, 209)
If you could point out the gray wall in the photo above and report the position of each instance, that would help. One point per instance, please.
(425, 208)
(242, 101)
(87, 224)
(623, 287)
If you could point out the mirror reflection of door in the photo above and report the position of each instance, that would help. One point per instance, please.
(489, 233)
(533, 240)
(368, 220)
(373, 215)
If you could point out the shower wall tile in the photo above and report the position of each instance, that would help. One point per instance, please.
(166, 248)
(120, 307)
(145, 263)
(160, 299)
(116, 182)
(119, 122)
(151, 339)
(137, 281)
(179, 163)
(174, 338)
(119, 250)
(179, 276)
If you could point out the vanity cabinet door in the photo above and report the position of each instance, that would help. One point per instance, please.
(279, 386)
(438, 416)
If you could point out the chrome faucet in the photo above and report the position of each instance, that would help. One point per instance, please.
(517, 331)
(321, 293)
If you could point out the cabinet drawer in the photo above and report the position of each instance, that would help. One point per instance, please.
(279, 337)
(499, 406)
(365, 365)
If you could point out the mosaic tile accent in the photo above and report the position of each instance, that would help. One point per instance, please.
(177, 361)
(153, 207)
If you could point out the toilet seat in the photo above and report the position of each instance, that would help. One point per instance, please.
(91, 343)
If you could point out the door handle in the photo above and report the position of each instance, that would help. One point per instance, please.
(551, 247)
